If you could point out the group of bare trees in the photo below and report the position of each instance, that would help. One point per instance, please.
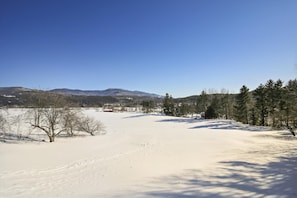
(57, 121)
(13, 126)
(52, 116)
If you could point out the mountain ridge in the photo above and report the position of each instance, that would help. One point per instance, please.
(79, 92)
(105, 92)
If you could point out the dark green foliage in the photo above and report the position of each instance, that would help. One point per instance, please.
(222, 102)
(271, 100)
(289, 103)
(202, 102)
(210, 113)
(148, 106)
(242, 105)
(261, 103)
(183, 109)
(272, 104)
(275, 104)
(168, 105)
(226, 106)
(275, 95)
(214, 110)
(253, 116)
(91, 101)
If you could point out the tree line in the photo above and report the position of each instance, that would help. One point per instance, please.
(270, 104)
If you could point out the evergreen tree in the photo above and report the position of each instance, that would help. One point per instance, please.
(210, 113)
(260, 95)
(168, 105)
(290, 102)
(271, 100)
(253, 116)
(202, 102)
(270, 95)
(216, 105)
(148, 106)
(183, 109)
(279, 98)
(214, 109)
(242, 105)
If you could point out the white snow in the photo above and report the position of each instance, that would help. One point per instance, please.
(153, 156)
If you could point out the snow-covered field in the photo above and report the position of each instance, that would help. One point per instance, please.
(153, 156)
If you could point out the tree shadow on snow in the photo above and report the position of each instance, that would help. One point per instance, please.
(216, 124)
(282, 135)
(137, 116)
(11, 138)
(181, 120)
(232, 179)
(229, 125)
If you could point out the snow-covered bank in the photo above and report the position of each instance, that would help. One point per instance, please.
(154, 156)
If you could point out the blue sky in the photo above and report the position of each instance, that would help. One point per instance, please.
(177, 46)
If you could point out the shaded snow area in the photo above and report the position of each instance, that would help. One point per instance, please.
(152, 156)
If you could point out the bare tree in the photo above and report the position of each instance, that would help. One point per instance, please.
(48, 114)
(70, 121)
(91, 126)
(48, 120)
(15, 123)
(3, 122)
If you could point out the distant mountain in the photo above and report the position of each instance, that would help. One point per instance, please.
(107, 92)
(13, 91)
(24, 97)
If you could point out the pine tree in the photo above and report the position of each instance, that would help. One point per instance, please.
(168, 105)
(261, 105)
(271, 100)
(242, 105)
(148, 106)
(213, 109)
(253, 116)
(290, 102)
(183, 109)
(210, 113)
(279, 98)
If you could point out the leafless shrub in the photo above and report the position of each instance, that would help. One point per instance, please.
(16, 122)
(70, 122)
(12, 126)
(4, 120)
(91, 126)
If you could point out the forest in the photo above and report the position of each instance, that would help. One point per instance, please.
(271, 104)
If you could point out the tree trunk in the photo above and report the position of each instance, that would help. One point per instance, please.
(51, 138)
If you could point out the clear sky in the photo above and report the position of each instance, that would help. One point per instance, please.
(177, 46)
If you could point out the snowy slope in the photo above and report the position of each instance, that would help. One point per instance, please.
(153, 156)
